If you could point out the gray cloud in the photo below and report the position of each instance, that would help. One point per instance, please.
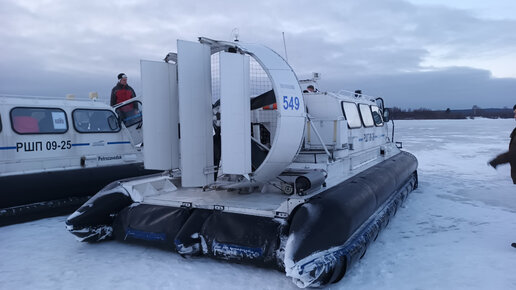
(457, 87)
(59, 47)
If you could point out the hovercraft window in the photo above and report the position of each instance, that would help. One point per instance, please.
(365, 112)
(39, 120)
(351, 114)
(377, 117)
(95, 121)
(130, 114)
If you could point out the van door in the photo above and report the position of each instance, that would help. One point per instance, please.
(130, 114)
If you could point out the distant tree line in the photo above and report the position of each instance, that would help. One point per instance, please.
(475, 111)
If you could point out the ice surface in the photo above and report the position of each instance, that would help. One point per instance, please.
(454, 232)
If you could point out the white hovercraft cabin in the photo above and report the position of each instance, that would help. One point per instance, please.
(56, 152)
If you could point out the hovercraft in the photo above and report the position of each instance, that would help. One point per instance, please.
(255, 170)
(56, 153)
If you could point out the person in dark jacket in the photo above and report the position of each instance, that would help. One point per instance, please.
(122, 91)
(509, 156)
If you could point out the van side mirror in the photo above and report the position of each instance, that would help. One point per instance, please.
(386, 115)
(113, 123)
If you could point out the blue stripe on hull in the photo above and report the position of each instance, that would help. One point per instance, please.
(8, 148)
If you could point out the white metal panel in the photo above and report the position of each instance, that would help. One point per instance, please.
(161, 116)
(327, 131)
(195, 113)
(343, 128)
(288, 93)
(235, 113)
(323, 106)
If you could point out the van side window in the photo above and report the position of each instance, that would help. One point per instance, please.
(26, 120)
(365, 112)
(130, 114)
(377, 117)
(351, 114)
(95, 121)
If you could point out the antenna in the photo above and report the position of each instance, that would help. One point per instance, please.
(235, 34)
(285, 46)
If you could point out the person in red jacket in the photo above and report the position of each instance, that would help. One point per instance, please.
(509, 156)
(122, 91)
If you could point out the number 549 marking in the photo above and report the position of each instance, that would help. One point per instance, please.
(291, 103)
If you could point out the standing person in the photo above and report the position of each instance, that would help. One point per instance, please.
(509, 156)
(122, 91)
(310, 89)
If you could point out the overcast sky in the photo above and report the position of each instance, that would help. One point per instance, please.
(414, 53)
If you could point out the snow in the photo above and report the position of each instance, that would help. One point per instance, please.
(453, 232)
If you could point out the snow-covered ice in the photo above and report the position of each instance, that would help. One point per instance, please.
(453, 232)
